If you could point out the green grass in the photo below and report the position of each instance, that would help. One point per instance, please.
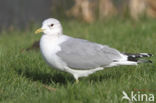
(25, 77)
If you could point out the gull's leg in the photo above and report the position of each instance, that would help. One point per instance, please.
(77, 81)
(76, 78)
(74, 73)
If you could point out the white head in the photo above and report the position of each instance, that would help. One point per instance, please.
(50, 26)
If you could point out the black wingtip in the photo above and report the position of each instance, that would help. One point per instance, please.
(150, 55)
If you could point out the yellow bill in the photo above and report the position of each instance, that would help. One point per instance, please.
(39, 31)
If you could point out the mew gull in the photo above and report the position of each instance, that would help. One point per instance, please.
(77, 56)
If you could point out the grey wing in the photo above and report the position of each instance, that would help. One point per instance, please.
(82, 54)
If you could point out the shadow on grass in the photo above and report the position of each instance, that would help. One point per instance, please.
(46, 78)
(64, 78)
(105, 75)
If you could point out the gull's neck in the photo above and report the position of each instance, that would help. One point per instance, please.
(47, 40)
(53, 35)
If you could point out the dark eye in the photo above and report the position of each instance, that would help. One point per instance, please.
(52, 25)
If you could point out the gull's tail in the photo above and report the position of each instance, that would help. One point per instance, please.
(137, 57)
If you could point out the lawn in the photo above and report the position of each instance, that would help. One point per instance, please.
(26, 78)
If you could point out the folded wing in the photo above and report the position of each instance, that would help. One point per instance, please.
(82, 54)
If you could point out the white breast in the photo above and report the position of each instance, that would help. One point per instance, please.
(49, 46)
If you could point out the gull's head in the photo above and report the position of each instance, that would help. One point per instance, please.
(50, 26)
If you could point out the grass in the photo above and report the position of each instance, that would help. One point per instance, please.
(26, 78)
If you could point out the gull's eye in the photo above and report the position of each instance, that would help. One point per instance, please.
(51, 25)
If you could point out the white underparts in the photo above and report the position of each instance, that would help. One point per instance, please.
(82, 73)
(49, 46)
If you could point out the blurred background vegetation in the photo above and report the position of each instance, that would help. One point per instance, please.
(23, 13)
